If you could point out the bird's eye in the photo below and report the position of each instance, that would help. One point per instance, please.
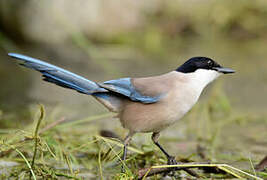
(210, 63)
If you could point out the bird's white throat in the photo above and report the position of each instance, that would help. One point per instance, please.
(202, 77)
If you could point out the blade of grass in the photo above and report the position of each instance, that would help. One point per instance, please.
(252, 166)
(108, 142)
(119, 144)
(67, 159)
(50, 151)
(144, 177)
(243, 172)
(84, 145)
(100, 165)
(27, 162)
(230, 172)
(42, 111)
(110, 146)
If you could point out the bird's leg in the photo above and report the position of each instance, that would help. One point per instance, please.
(126, 142)
(155, 138)
(171, 159)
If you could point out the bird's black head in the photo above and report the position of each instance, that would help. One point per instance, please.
(196, 63)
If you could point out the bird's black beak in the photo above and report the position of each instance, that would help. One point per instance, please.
(223, 70)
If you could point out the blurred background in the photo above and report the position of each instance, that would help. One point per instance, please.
(104, 40)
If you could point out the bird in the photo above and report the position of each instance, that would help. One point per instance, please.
(143, 105)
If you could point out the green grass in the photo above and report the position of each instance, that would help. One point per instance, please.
(59, 149)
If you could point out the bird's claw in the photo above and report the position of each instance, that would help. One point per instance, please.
(122, 169)
(172, 160)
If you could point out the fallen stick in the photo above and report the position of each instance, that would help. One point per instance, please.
(150, 171)
(237, 173)
(53, 124)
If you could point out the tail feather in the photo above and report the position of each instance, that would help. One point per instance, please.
(59, 76)
(63, 83)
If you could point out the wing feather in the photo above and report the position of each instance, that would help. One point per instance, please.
(125, 87)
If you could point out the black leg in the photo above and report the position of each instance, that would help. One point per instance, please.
(125, 143)
(124, 152)
(171, 159)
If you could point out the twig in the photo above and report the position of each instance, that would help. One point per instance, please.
(151, 171)
(166, 168)
(53, 124)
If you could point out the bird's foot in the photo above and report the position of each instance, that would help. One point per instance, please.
(172, 160)
(123, 166)
(122, 169)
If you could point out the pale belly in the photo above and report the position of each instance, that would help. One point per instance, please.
(138, 117)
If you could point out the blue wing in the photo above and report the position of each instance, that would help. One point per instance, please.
(125, 87)
(59, 76)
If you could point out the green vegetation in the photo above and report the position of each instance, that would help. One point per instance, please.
(60, 149)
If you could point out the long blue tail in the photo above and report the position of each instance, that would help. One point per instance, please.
(59, 76)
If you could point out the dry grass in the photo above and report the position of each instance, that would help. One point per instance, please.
(60, 149)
